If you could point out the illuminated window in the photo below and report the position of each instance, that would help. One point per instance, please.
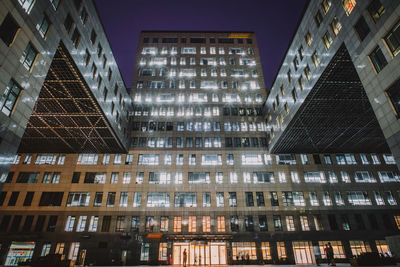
(379, 199)
(397, 220)
(220, 199)
(337, 246)
(220, 224)
(358, 246)
(313, 199)
(240, 250)
(290, 223)
(281, 250)
(327, 40)
(177, 224)
(315, 59)
(206, 224)
(336, 26)
(358, 198)
(338, 199)
(308, 39)
(305, 226)
(348, 6)
(192, 224)
(326, 4)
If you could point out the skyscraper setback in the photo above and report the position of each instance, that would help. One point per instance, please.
(199, 174)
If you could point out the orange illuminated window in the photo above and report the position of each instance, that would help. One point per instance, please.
(348, 6)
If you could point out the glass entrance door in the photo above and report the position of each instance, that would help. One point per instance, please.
(303, 252)
(200, 253)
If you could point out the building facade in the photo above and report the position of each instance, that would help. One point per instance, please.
(118, 208)
(341, 64)
(58, 78)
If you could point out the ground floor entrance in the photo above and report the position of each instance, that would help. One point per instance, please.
(199, 253)
(303, 252)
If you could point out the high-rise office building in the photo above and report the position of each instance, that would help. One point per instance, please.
(207, 170)
(60, 87)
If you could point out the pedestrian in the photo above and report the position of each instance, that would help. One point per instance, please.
(331, 254)
(326, 248)
(184, 257)
(247, 258)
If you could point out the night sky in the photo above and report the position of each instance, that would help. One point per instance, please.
(273, 21)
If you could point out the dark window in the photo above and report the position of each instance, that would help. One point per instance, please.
(198, 40)
(249, 41)
(15, 223)
(234, 223)
(43, 26)
(93, 37)
(155, 40)
(75, 177)
(28, 198)
(55, 4)
(145, 40)
(228, 141)
(378, 59)
(78, 4)
(99, 50)
(226, 111)
(68, 23)
(317, 159)
(332, 222)
(13, 199)
(387, 222)
(345, 223)
(225, 40)
(76, 37)
(260, 199)
(9, 30)
(360, 222)
(373, 222)
(111, 199)
(212, 40)
(51, 199)
(318, 18)
(249, 199)
(40, 223)
(10, 176)
(83, 15)
(98, 198)
(51, 226)
(29, 56)
(10, 97)
(393, 39)
(249, 224)
(165, 40)
(2, 197)
(240, 41)
(28, 223)
(183, 41)
(274, 199)
(237, 141)
(105, 227)
(262, 223)
(393, 94)
(362, 28)
(103, 244)
(170, 126)
(4, 223)
(376, 10)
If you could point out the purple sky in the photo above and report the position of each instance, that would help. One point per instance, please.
(273, 21)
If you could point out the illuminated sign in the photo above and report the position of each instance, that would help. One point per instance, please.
(239, 35)
(154, 235)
